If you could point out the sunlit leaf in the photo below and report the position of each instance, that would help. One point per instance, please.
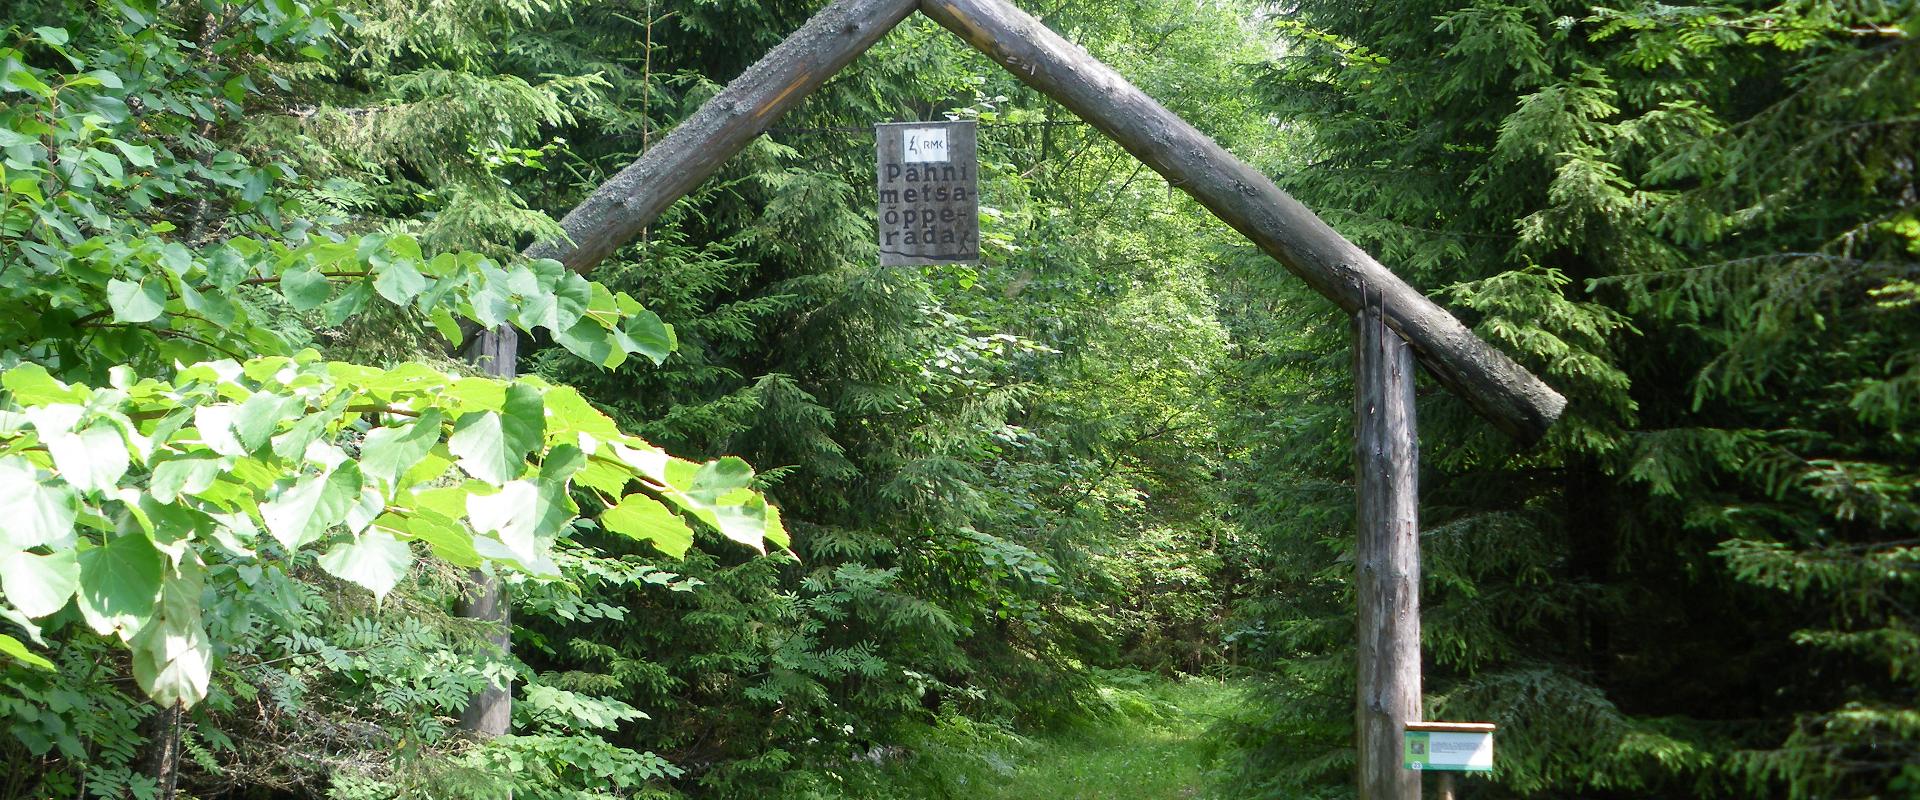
(374, 560)
(39, 585)
(646, 519)
(119, 583)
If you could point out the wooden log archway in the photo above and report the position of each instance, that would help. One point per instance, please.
(1394, 322)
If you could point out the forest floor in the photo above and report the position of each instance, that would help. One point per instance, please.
(1154, 745)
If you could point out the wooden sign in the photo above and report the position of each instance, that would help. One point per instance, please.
(929, 184)
(1450, 746)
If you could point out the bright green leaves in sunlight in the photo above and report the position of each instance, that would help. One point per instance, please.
(121, 495)
(304, 509)
(39, 585)
(374, 559)
(644, 518)
(493, 445)
(119, 582)
(39, 511)
(90, 282)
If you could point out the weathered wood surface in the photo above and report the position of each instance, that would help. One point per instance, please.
(616, 212)
(490, 713)
(1387, 558)
(619, 209)
(1501, 390)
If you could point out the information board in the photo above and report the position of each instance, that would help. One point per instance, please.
(1456, 747)
(929, 185)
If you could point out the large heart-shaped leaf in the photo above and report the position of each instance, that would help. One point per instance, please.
(374, 560)
(119, 584)
(39, 585)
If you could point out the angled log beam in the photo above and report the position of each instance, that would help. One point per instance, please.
(617, 211)
(1500, 389)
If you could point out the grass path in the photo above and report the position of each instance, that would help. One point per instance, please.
(1153, 747)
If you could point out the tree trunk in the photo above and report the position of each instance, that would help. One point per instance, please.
(1388, 558)
(1501, 390)
(160, 756)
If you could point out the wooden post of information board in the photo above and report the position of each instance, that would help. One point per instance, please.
(1388, 558)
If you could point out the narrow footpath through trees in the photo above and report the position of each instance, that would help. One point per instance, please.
(1152, 743)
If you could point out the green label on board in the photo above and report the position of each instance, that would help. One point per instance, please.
(1454, 752)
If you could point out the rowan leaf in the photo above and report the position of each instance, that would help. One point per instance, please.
(12, 647)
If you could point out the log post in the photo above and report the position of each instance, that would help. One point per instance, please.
(1500, 389)
(615, 212)
(1387, 562)
(490, 713)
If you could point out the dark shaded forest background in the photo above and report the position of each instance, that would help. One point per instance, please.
(1118, 444)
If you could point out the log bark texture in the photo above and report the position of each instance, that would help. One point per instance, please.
(1387, 559)
(490, 713)
(619, 209)
(1501, 390)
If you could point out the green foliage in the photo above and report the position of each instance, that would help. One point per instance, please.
(192, 478)
(969, 456)
(1686, 218)
(239, 239)
(1147, 742)
(254, 446)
